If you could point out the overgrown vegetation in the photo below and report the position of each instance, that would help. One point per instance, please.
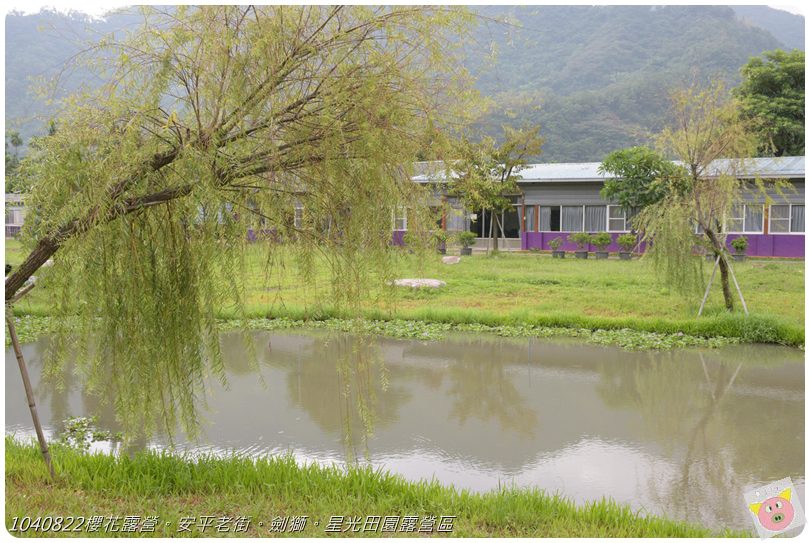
(173, 487)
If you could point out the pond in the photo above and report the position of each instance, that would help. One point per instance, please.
(681, 433)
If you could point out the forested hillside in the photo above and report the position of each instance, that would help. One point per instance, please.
(595, 78)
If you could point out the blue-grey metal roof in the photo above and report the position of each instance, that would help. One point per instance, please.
(763, 167)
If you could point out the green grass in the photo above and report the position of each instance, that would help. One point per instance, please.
(530, 289)
(172, 487)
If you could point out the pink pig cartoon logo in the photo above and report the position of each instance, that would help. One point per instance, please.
(775, 514)
(775, 509)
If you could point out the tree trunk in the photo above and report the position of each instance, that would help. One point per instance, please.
(717, 246)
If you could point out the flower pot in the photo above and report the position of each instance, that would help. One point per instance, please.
(625, 256)
(601, 255)
(739, 257)
(558, 254)
(466, 251)
(581, 254)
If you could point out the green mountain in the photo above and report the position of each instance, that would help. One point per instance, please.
(596, 78)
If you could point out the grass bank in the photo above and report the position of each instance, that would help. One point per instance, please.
(528, 290)
(171, 488)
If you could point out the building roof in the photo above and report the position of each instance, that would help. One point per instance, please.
(763, 167)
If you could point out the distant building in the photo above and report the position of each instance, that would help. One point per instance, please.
(15, 214)
(556, 200)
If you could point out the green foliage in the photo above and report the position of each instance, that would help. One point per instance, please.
(627, 242)
(772, 97)
(486, 174)
(601, 240)
(466, 239)
(582, 239)
(175, 486)
(639, 177)
(555, 243)
(740, 244)
(214, 120)
(81, 432)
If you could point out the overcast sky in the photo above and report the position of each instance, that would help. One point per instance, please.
(99, 8)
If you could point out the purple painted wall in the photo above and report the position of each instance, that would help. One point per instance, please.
(783, 245)
(398, 238)
(779, 245)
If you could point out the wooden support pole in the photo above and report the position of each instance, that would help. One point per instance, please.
(709, 286)
(737, 286)
(29, 391)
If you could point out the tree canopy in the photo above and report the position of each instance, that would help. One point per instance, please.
(772, 97)
(711, 141)
(215, 120)
(640, 177)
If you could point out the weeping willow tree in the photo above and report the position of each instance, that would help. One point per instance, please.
(711, 143)
(217, 121)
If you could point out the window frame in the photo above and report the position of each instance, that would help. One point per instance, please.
(624, 219)
(298, 216)
(403, 217)
(744, 230)
(789, 221)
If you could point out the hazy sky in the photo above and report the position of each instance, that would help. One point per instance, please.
(98, 8)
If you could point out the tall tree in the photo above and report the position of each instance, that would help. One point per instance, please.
(217, 119)
(485, 175)
(712, 142)
(771, 95)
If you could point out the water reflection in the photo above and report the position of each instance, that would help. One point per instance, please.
(681, 433)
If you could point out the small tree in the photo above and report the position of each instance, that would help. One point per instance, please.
(706, 128)
(601, 240)
(486, 174)
(582, 239)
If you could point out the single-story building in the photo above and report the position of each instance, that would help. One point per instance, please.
(556, 200)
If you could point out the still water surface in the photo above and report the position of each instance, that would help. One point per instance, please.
(681, 433)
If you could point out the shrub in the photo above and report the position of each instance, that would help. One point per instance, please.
(740, 244)
(601, 240)
(581, 239)
(555, 243)
(466, 239)
(627, 242)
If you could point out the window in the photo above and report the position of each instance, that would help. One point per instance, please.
(617, 220)
(595, 218)
(572, 218)
(747, 218)
(736, 219)
(549, 218)
(400, 218)
(754, 218)
(528, 217)
(298, 216)
(786, 218)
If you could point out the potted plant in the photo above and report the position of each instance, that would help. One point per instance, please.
(555, 247)
(582, 239)
(466, 239)
(740, 245)
(627, 242)
(601, 241)
(441, 241)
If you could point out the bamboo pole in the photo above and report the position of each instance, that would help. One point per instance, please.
(709, 286)
(29, 391)
(737, 286)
